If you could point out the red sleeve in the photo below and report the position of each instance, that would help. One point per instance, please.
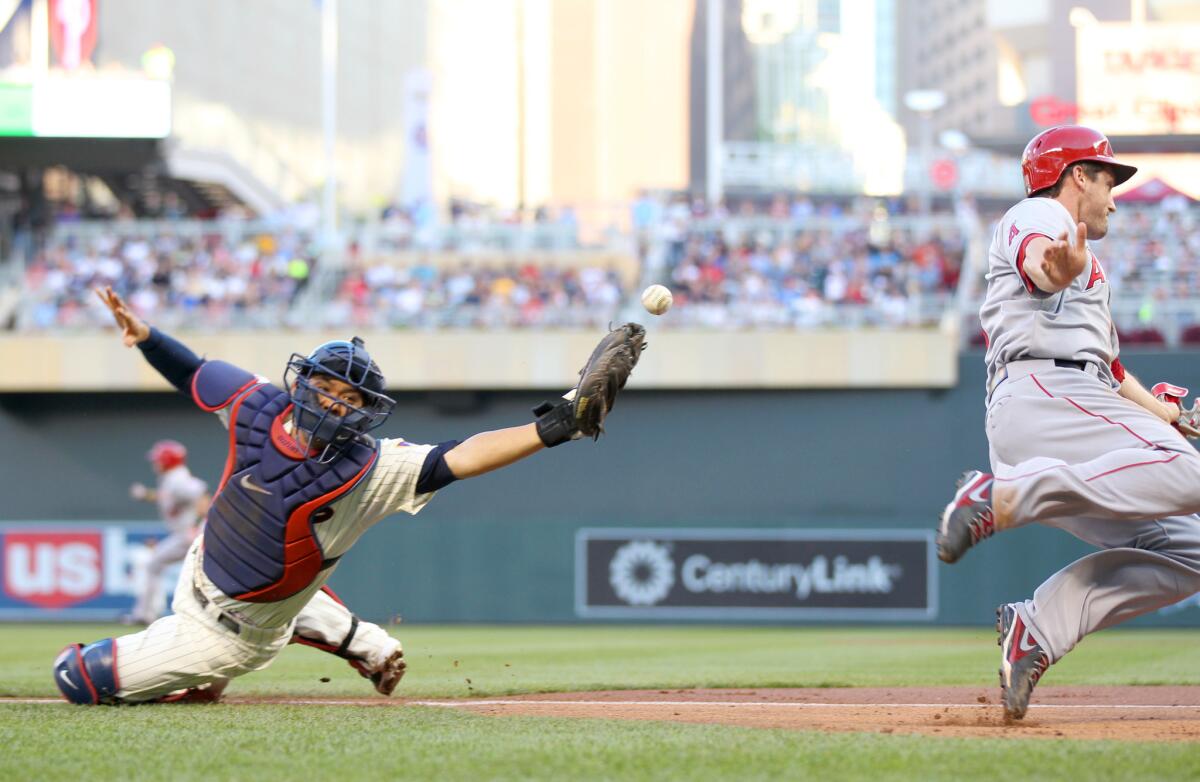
(1118, 370)
(1025, 278)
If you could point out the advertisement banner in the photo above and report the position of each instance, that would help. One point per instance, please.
(73, 570)
(1138, 79)
(733, 574)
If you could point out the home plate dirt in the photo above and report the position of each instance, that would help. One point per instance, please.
(1124, 713)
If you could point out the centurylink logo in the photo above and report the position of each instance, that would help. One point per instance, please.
(745, 573)
(821, 575)
(641, 572)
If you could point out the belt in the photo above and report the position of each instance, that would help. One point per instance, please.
(223, 619)
(1028, 366)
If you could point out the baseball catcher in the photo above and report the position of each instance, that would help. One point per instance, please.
(304, 479)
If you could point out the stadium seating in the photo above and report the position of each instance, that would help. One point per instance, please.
(799, 266)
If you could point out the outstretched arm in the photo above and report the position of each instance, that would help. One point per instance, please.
(580, 413)
(171, 358)
(488, 451)
(139, 491)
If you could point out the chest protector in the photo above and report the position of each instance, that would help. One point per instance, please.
(260, 542)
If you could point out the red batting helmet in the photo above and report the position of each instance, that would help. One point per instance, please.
(1051, 151)
(166, 454)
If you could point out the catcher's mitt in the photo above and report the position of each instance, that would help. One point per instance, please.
(605, 373)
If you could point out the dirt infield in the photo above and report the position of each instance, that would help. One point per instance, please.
(1122, 713)
(1125, 713)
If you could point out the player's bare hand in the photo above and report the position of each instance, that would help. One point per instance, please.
(1188, 422)
(133, 329)
(1063, 261)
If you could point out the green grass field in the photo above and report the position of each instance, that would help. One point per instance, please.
(268, 742)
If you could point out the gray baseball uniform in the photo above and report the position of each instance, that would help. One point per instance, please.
(177, 496)
(1068, 451)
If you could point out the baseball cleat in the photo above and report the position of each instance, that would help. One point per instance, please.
(1022, 662)
(968, 518)
(390, 673)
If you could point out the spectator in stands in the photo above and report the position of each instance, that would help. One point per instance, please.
(467, 295)
(801, 264)
(202, 280)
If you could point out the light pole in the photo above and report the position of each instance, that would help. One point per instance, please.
(714, 85)
(329, 75)
(924, 103)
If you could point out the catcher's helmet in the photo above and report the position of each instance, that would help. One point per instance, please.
(1051, 151)
(350, 363)
(166, 454)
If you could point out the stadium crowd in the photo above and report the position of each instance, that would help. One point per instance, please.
(215, 281)
(471, 295)
(1152, 259)
(173, 279)
(786, 263)
(796, 264)
(1153, 251)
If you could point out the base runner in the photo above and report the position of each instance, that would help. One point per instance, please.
(182, 500)
(1076, 441)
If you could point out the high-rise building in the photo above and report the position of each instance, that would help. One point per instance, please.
(578, 103)
(807, 88)
(247, 84)
(738, 86)
(993, 60)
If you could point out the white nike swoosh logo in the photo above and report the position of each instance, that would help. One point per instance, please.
(63, 675)
(249, 485)
(1027, 643)
(976, 492)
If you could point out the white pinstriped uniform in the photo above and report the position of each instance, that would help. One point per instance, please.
(191, 648)
(1068, 451)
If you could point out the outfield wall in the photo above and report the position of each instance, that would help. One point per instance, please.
(503, 547)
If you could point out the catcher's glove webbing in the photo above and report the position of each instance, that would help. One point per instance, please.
(582, 411)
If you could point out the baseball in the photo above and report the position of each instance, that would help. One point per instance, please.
(657, 299)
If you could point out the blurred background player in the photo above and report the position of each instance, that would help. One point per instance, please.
(182, 500)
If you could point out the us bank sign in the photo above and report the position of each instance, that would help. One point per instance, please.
(755, 574)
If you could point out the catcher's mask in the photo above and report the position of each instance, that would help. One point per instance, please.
(349, 362)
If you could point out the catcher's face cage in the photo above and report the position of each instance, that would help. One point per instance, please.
(330, 434)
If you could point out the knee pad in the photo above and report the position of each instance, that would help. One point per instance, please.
(87, 675)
